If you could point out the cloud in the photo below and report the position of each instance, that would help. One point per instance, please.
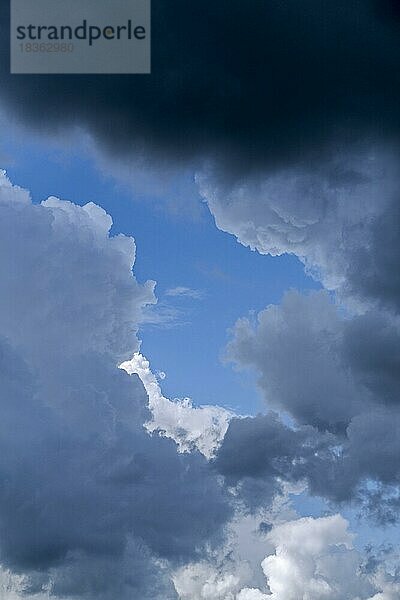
(91, 505)
(14, 587)
(94, 503)
(185, 292)
(307, 557)
(293, 124)
(296, 349)
(257, 455)
(390, 588)
(260, 454)
(314, 559)
(202, 428)
(97, 309)
(335, 376)
(235, 565)
(297, 80)
(203, 582)
(252, 594)
(340, 218)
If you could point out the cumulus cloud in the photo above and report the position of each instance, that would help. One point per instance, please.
(252, 594)
(203, 582)
(305, 159)
(91, 505)
(340, 218)
(236, 565)
(202, 428)
(388, 586)
(17, 587)
(315, 559)
(307, 558)
(258, 454)
(296, 348)
(335, 373)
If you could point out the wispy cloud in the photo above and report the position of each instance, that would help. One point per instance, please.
(184, 292)
(163, 315)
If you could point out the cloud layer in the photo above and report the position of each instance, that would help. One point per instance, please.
(261, 83)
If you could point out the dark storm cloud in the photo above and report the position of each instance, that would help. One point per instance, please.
(259, 453)
(254, 446)
(371, 347)
(373, 271)
(260, 82)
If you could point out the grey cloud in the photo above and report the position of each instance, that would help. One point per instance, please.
(340, 218)
(255, 85)
(373, 270)
(296, 350)
(84, 489)
(259, 454)
(371, 346)
(317, 363)
(336, 377)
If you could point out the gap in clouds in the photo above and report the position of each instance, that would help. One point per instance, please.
(199, 257)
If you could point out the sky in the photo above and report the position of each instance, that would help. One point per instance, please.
(199, 313)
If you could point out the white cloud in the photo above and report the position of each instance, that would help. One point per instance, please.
(202, 581)
(314, 559)
(252, 594)
(202, 428)
(16, 587)
(236, 566)
(307, 559)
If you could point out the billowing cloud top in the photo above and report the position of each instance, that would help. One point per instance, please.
(257, 82)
